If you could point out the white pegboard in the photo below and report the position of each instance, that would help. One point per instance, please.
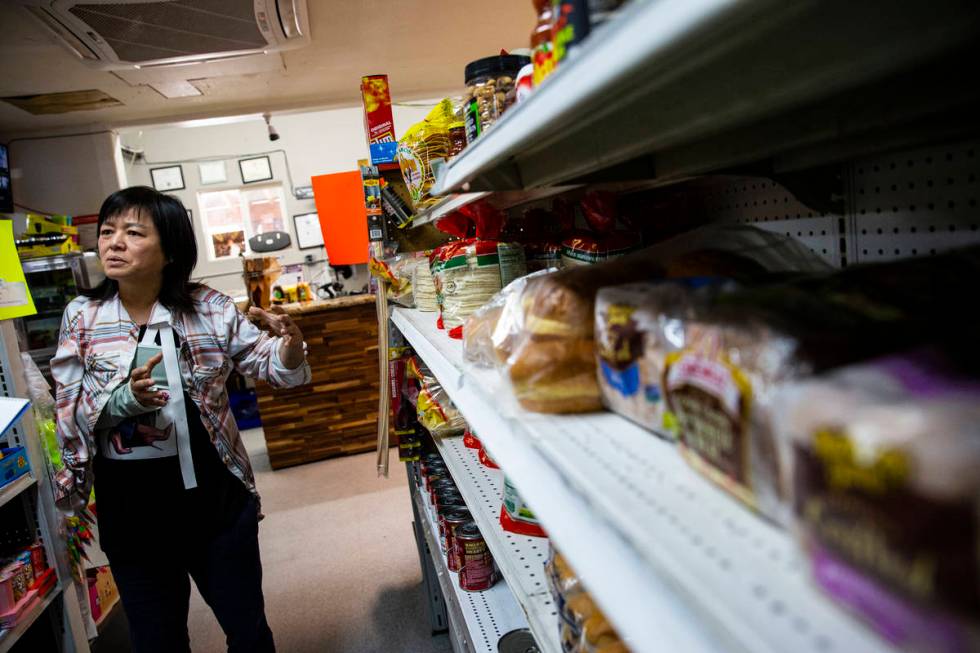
(768, 205)
(486, 616)
(914, 203)
(520, 558)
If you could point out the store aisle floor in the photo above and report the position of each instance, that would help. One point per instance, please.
(341, 570)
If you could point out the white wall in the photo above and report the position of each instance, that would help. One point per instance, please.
(313, 143)
(65, 175)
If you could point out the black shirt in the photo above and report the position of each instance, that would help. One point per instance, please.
(143, 509)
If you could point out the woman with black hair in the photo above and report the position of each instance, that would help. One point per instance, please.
(143, 414)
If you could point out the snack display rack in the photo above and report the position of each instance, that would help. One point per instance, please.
(40, 514)
(819, 121)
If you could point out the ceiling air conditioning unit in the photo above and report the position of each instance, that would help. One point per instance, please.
(120, 34)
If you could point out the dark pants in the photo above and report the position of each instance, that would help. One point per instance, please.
(155, 589)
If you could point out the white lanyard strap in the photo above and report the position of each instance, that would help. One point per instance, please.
(175, 406)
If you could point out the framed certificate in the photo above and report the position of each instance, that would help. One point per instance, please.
(169, 178)
(212, 172)
(308, 232)
(257, 169)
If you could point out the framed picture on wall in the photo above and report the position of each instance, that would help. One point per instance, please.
(257, 169)
(308, 232)
(212, 172)
(169, 178)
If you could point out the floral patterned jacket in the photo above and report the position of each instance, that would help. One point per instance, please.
(95, 352)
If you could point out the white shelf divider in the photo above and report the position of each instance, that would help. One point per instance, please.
(674, 562)
(12, 490)
(520, 558)
(11, 409)
(487, 615)
(445, 206)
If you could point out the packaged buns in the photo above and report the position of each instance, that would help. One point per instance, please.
(478, 346)
(887, 494)
(582, 627)
(550, 361)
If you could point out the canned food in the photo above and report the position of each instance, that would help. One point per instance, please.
(440, 486)
(433, 477)
(476, 569)
(518, 641)
(446, 498)
(449, 521)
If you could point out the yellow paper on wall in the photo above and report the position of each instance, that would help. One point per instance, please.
(15, 297)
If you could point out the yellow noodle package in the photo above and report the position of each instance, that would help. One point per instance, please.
(423, 144)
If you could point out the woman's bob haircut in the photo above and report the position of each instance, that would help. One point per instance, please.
(176, 238)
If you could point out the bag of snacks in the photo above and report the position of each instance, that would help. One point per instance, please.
(398, 271)
(424, 143)
(887, 496)
(602, 241)
(436, 411)
(516, 516)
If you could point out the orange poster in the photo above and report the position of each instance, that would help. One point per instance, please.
(343, 217)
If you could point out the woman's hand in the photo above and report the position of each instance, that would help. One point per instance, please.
(291, 350)
(142, 384)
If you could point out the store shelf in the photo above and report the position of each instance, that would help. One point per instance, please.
(12, 490)
(487, 616)
(49, 263)
(520, 558)
(675, 563)
(11, 409)
(502, 200)
(445, 206)
(672, 88)
(9, 637)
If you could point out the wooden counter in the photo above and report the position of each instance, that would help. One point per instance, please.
(337, 414)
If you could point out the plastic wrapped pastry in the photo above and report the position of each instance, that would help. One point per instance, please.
(636, 327)
(551, 361)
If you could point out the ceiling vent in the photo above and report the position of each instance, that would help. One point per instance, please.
(119, 34)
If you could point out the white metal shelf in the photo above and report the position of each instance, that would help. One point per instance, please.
(488, 615)
(11, 410)
(520, 558)
(674, 562)
(502, 200)
(12, 490)
(703, 85)
(445, 206)
(9, 637)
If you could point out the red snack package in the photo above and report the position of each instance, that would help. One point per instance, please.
(488, 220)
(599, 209)
(456, 224)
